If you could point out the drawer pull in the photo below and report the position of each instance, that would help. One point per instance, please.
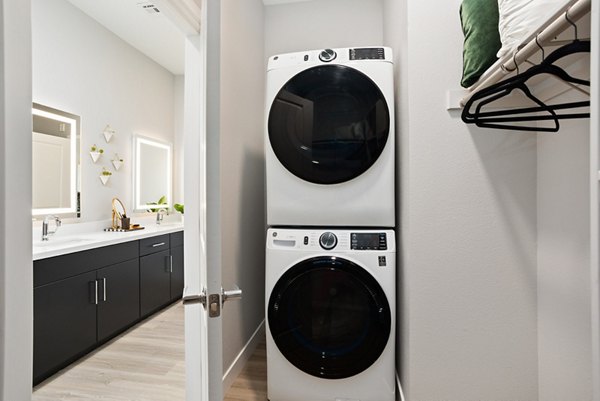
(157, 245)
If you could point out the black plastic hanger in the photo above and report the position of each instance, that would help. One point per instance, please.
(501, 119)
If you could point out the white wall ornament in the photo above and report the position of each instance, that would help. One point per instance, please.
(108, 133)
(117, 162)
(105, 175)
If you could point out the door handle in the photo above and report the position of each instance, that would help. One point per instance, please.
(104, 289)
(157, 245)
(236, 293)
(170, 263)
(94, 292)
(194, 298)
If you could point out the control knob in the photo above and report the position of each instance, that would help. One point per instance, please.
(327, 55)
(328, 240)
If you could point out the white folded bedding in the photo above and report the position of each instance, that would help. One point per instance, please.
(520, 18)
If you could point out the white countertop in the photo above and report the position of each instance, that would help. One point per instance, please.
(80, 237)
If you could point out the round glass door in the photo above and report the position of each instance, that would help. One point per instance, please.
(329, 317)
(329, 124)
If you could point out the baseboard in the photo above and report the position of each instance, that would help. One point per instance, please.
(240, 360)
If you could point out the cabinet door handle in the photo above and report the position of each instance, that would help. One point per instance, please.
(94, 299)
(157, 245)
(104, 289)
(170, 263)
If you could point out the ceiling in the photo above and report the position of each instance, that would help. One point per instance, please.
(138, 23)
(275, 2)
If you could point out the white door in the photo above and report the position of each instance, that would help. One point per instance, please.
(203, 295)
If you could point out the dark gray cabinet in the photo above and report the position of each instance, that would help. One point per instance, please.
(155, 282)
(177, 272)
(161, 271)
(64, 322)
(85, 298)
(119, 297)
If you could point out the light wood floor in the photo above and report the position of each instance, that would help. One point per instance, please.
(145, 364)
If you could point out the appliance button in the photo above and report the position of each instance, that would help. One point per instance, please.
(328, 240)
(327, 55)
(306, 240)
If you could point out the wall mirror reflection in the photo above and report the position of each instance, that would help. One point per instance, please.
(55, 162)
(152, 174)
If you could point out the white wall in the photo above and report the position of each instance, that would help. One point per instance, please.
(82, 68)
(564, 313)
(322, 24)
(468, 240)
(178, 139)
(16, 271)
(242, 169)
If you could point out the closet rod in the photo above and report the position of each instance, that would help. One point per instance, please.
(560, 24)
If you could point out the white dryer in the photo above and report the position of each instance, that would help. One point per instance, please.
(330, 314)
(330, 138)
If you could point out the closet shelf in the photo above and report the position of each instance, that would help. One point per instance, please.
(544, 36)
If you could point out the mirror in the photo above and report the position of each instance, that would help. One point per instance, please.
(152, 173)
(55, 162)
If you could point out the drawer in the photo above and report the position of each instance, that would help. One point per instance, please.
(176, 239)
(154, 244)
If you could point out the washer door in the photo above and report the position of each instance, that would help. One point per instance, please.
(329, 317)
(329, 124)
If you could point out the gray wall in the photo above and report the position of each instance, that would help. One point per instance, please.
(564, 326)
(105, 81)
(321, 24)
(242, 169)
(468, 220)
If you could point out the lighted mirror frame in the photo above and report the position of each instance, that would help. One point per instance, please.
(74, 122)
(138, 141)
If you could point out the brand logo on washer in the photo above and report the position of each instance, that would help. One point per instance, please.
(382, 262)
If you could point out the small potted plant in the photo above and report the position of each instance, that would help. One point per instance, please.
(96, 152)
(117, 162)
(105, 175)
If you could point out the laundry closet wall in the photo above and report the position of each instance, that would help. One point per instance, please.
(242, 171)
(494, 236)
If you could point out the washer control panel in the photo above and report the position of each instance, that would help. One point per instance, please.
(368, 241)
(332, 240)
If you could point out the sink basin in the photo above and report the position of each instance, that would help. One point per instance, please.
(59, 242)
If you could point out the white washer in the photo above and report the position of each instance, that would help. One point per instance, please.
(330, 314)
(329, 138)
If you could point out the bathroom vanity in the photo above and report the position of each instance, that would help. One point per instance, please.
(89, 290)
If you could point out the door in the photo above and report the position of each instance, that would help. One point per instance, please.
(119, 297)
(155, 282)
(65, 324)
(328, 124)
(202, 242)
(329, 317)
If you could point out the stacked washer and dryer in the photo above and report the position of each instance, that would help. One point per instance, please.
(330, 251)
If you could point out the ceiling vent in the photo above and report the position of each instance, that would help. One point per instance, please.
(149, 7)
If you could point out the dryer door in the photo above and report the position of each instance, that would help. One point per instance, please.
(329, 317)
(329, 124)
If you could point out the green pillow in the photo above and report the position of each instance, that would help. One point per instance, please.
(479, 19)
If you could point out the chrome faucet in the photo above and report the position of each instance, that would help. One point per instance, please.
(160, 214)
(45, 232)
